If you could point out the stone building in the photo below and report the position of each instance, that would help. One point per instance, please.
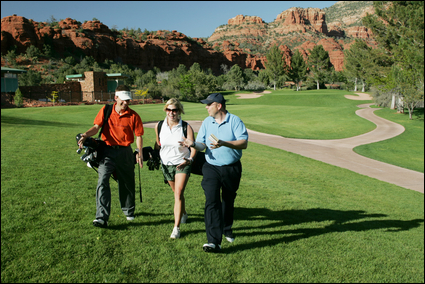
(98, 86)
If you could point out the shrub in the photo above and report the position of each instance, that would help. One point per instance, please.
(255, 86)
(18, 99)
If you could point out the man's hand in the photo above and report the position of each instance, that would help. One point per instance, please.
(216, 144)
(81, 141)
(186, 142)
(139, 159)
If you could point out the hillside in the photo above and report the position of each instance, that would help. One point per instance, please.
(244, 40)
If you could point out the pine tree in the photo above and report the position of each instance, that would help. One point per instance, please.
(358, 62)
(319, 64)
(275, 65)
(298, 70)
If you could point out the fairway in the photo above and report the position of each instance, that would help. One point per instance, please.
(296, 219)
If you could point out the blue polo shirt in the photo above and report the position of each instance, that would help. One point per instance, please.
(231, 129)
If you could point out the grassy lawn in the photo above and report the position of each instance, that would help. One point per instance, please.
(405, 150)
(296, 219)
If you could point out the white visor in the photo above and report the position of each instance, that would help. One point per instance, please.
(123, 95)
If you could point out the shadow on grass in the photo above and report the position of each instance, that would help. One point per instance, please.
(140, 221)
(418, 114)
(342, 221)
(17, 120)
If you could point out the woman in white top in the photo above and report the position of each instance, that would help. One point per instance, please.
(176, 160)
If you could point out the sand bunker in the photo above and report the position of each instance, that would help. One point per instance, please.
(252, 96)
(360, 97)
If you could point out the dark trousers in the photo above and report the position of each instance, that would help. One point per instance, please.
(121, 161)
(219, 211)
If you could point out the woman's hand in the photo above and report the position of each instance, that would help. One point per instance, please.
(187, 162)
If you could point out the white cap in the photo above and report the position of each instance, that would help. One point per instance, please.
(123, 95)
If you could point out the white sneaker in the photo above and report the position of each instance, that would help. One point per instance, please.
(100, 223)
(176, 233)
(130, 218)
(183, 220)
(230, 239)
(210, 247)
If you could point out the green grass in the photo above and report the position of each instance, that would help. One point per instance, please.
(405, 150)
(321, 114)
(296, 219)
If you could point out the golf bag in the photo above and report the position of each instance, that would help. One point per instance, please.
(94, 148)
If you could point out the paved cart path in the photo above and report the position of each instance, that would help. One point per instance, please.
(339, 152)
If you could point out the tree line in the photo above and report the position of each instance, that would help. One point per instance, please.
(393, 69)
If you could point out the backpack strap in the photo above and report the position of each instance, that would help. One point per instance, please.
(184, 124)
(106, 114)
(159, 127)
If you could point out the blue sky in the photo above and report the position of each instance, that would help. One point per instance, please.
(193, 18)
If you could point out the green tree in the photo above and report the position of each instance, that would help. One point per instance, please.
(358, 62)
(70, 60)
(264, 77)
(30, 78)
(398, 27)
(32, 52)
(203, 83)
(319, 64)
(11, 57)
(298, 69)
(47, 50)
(18, 98)
(235, 78)
(187, 88)
(275, 64)
(181, 70)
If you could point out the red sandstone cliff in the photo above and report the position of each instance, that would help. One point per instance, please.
(302, 28)
(166, 50)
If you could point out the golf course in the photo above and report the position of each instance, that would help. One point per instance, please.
(297, 219)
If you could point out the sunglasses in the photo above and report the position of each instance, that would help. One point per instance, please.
(173, 110)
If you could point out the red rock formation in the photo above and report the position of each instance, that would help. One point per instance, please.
(287, 54)
(358, 32)
(162, 50)
(240, 19)
(310, 18)
(167, 50)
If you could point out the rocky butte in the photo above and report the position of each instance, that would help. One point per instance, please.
(168, 49)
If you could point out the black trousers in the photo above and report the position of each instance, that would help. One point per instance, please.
(219, 211)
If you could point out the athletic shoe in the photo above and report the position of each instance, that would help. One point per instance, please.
(229, 237)
(130, 218)
(183, 220)
(176, 233)
(100, 223)
(210, 247)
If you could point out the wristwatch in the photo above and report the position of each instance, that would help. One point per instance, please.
(190, 159)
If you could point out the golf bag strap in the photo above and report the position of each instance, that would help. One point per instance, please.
(106, 114)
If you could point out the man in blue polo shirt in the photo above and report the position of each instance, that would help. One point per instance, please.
(226, 137)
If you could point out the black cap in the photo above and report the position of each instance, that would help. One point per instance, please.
(216, 97)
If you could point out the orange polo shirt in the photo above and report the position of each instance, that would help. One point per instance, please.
(121, 128)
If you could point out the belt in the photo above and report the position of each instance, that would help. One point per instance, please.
(117, 146)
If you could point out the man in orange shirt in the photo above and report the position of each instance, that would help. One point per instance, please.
(118, 156)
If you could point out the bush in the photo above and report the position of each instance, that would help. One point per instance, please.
(255, 86)
(33, 51)
(18, 99)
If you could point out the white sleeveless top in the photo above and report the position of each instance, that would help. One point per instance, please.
(171, 152)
